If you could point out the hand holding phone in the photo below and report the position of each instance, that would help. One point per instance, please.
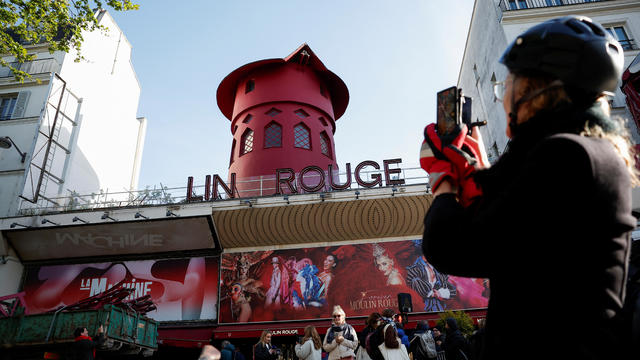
(448, 118)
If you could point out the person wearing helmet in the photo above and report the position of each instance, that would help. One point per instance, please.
(549, 223)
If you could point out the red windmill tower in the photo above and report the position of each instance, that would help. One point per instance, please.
(283, 114)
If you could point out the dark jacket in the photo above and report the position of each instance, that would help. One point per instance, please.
(237, 355)
(375, 339)
(84, 347)
(261, 352)
(227, 352)
(476, 344)
(455, 345)
(552, 234)
(362, 337)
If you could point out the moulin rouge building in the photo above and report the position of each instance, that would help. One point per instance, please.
(275, 244)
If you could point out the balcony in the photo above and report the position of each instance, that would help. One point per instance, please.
(32, 67)
(511, 5)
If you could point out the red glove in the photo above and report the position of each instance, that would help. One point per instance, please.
(438, 169)
(463, 161)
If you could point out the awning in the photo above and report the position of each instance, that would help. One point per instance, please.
(115, 239)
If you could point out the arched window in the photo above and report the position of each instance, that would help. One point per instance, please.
(247, 142)
(301, 137)
(272, 135)
(325, 144)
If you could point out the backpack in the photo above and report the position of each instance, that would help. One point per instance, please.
(426, 348)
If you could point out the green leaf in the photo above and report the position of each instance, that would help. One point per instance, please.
(57, 23)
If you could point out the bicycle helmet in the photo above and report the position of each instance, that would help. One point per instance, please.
(573, 49)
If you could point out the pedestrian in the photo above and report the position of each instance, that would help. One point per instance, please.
(422, 345)
(455, 344)
(84, 347)
(439, 337)
(404, 338)
(377, 337)
(372, 322)
(227, 350)
(263, 349)
(476, 341)
(392, 348)
(341, 339)
(310, 347)
(549, 223)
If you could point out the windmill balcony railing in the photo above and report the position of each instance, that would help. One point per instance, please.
(164, 195)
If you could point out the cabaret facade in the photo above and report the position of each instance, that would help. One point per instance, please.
(285, 237)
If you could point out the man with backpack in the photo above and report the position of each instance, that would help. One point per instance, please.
(422, 345)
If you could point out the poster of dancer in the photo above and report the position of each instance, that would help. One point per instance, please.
(181, 289)
(297, 284)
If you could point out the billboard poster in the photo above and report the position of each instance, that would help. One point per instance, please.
(298, 284)
(181, 289)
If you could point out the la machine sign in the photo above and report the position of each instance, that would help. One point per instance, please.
(288, 178)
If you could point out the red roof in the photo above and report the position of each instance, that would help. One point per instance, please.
(225, 95)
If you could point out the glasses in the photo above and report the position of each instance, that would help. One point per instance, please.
(498, 90)
(337, 316)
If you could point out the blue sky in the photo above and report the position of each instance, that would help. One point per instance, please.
(392, 55)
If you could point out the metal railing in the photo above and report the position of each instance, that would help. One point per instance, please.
(511, 5)
(164, 195)
(32, 67)
(628, 44)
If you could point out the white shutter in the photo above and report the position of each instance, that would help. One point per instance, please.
(21, 104)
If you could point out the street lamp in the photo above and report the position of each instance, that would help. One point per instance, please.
(6, 142)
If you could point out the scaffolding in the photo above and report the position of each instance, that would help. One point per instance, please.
(57, 127)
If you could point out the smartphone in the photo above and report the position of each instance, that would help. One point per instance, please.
(466, 111)
(448, 116)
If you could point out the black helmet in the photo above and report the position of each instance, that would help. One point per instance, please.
(573, 49)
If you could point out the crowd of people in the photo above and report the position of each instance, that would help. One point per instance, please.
(383, 338)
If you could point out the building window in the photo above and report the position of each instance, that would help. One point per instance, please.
(233, 150)
(7, 105)
(553, 2)
(249, 86)
(247, 119)
(273, 112)
(522, 4)
(301, 137)
(322, 121)
(273, 135)
(620, 34)
(513, 5)
(301, 113)
(247, 142)
(325, 144)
